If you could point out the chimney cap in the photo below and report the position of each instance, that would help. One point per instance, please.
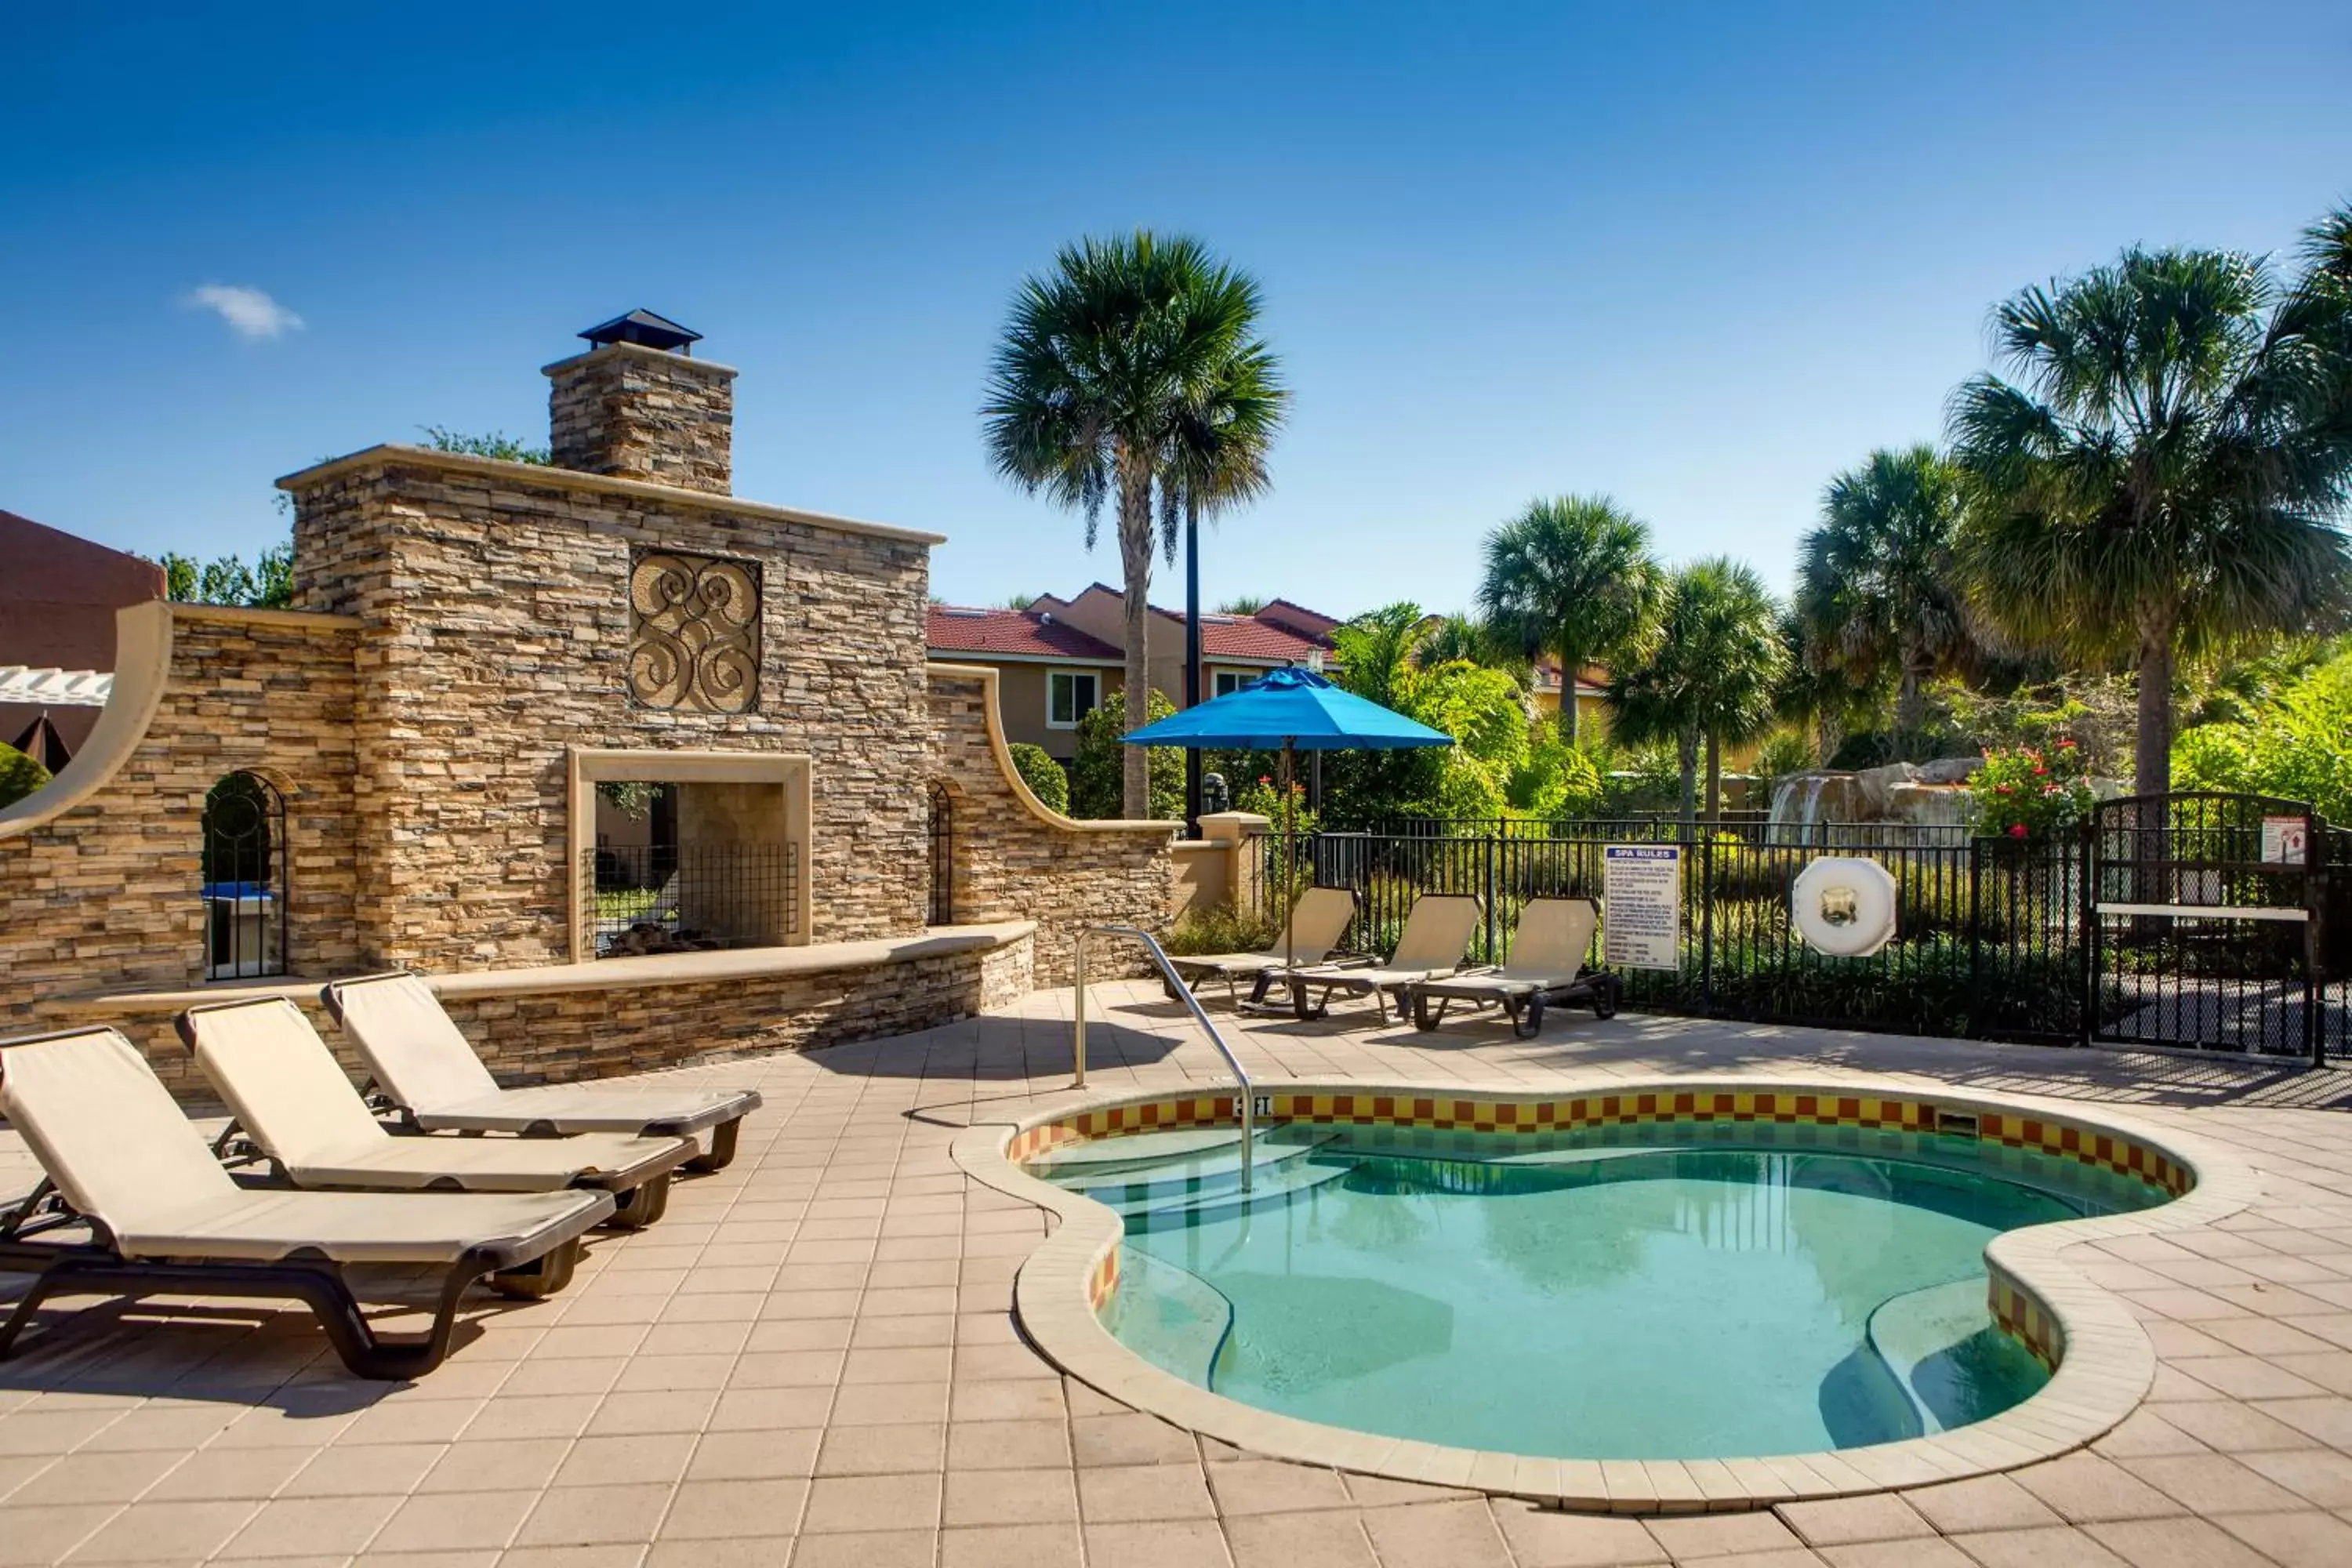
(644, 328)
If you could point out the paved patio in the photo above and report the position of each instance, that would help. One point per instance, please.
(811, 1361)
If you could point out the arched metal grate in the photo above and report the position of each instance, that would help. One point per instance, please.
(942, 857)
(245, 864)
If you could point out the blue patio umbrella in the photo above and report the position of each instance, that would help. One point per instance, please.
(1292, 710)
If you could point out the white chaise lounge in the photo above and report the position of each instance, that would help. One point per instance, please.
(1546, 970)
(422, 1063)
(1437, 938)
(154, 1211)
(292, 1102)
(1317, 921)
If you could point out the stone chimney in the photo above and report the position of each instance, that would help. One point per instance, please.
(640, 405)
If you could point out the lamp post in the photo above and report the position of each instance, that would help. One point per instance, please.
(1191, 665)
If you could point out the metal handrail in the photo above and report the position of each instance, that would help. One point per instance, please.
(1176, 983)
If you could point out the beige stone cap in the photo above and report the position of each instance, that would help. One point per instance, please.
(603, 974)
(988, 674)
(256, 616)
(710, 368)
(549, 477)
(2106, 1371)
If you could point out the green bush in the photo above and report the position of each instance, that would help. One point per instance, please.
(2297, 747)
(1221, 930)
(1043, 776)
(1096, 774)
(20, 775)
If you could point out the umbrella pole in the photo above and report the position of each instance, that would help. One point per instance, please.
(1289, 853)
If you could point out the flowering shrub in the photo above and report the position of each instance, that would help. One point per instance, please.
(1263, 795)
(2031, 792)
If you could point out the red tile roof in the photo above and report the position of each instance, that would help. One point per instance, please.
(953, 629)
(1246, 637)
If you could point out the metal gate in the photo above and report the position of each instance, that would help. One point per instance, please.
(2202, 925)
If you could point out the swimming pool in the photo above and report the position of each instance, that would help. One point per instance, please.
(1618, 1286)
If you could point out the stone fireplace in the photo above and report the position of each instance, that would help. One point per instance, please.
(729, 872)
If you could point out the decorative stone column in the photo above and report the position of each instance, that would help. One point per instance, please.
(1235, 834)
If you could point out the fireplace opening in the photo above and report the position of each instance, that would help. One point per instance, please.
(693, 897)
(708, 858)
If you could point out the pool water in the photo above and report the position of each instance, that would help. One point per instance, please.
(1680, 1291)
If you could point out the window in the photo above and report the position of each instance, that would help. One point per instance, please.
(1226, 682)
(244, 878)
(1070, 696)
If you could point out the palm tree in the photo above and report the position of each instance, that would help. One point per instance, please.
(1451, 637)
(1132, 371)
(2164, 474)
(1875, 581)
(1819, 690)
(1714, 669)
(1572, 576)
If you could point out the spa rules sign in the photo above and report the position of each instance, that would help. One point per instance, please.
(1641, 899)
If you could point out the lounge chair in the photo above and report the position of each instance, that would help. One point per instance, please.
(418, 1059)
(1437, 932)
(1317, 920)
(157, 1212)
(1546, 970)
(294, 1105)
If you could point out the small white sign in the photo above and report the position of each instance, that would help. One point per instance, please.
(1641, 899)
(2287, 840)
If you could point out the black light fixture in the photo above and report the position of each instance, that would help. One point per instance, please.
(645, 329)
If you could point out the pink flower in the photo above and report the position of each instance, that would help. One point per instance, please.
(2065, 743)
(2017, 830)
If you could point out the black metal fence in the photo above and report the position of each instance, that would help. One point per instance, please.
(1996, 937)
(650, 899)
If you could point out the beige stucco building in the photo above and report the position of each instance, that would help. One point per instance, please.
(1059, 658)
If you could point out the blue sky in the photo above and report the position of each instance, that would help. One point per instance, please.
(1697, 257)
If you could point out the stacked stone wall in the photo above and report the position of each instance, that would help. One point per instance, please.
(110, 893)
(496, 597)
(1010, 863)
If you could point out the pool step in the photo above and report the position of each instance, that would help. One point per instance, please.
(1169, 1315)
(1131, 1151)
(1206, 1171)
(1910, 1329)
(1274, 1186)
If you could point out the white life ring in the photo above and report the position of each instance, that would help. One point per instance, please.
(1843, 907)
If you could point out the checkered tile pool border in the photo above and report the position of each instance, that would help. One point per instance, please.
(2049, 1134)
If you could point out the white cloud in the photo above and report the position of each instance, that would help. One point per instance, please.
(249, 312)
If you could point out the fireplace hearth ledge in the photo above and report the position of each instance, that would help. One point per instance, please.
(606, 975)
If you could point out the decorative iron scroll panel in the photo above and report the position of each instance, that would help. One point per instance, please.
(694, 632)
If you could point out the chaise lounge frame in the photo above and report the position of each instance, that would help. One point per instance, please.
(724, 1120)
(29, 1243)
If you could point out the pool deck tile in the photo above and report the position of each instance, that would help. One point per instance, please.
(812, 1361)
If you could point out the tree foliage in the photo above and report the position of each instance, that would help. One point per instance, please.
(2297, 744)
(20, 775)
(1878, 594)
(1499, 766)
(494, 444)
(1572, 576)
(2164, 475)
(1717, 667)
(268, 584)
(1133, 371)
(1098, 771)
